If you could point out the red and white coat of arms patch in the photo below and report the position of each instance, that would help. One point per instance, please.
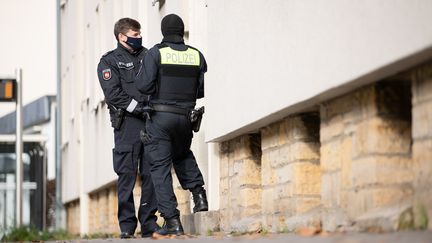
(106, 74)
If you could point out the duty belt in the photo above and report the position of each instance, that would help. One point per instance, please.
(171, 109)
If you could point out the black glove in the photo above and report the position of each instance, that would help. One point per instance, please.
(142, 111)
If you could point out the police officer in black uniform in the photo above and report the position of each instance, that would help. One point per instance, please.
(173, 74)
(116, 72)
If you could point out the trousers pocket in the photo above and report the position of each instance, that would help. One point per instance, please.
(123, 159)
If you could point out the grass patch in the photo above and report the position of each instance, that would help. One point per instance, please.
(406, 220)
(285, 230)
(32, 234)
(264, 232)
(422, 220)
(98, 236)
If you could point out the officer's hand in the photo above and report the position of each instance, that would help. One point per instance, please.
(142, 111)
(139, 111)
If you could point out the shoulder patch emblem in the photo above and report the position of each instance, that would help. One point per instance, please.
(106, 74)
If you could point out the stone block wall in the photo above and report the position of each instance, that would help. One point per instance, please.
(240, 184)
(73, 217)
(422, 143)
(366, 155)
(349, 166)
(103, 211)
(291, 175)
(183, 196)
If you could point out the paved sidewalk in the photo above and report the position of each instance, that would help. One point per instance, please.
(399, 237)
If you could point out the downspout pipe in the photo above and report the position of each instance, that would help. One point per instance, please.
(59, 215)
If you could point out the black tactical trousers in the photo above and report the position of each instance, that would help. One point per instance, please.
(128, 157)
(169, 145)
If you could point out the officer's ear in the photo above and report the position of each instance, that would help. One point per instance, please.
(122, 37)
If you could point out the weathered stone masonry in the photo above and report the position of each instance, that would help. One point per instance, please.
(364, 160)
(291, 175)
(103, 211)
(366, 155)
(240, 184)
(422, 143)
(73, 217)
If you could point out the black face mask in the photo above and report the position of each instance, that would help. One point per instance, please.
(134, 43)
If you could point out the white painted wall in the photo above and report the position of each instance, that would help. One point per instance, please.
(49, 130)
(195, 18)
(87, 135)
(265, 57)
(27, 40)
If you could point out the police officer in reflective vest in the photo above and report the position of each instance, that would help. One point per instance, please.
(116, 71)
(173, 74)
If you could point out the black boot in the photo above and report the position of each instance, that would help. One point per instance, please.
(200, 200)
(126, 235)
(171, 226)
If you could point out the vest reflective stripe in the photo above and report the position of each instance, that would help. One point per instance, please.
(189, 57)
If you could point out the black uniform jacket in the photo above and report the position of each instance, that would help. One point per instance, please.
(116, 72)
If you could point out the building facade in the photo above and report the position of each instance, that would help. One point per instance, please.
(317, 113)
(38, 194)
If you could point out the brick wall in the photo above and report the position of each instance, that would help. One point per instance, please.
(291, 175)
(422, 143)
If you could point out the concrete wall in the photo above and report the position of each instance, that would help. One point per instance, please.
(278, 57)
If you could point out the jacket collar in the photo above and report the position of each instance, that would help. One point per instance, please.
(177, 39)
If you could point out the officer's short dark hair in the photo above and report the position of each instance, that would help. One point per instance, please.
(124, 25)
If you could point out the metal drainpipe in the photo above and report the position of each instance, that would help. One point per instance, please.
(60, 224)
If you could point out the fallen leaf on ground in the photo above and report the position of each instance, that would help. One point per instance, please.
(218, 235)
(324, 234)
(376, 229)
(308, 231)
